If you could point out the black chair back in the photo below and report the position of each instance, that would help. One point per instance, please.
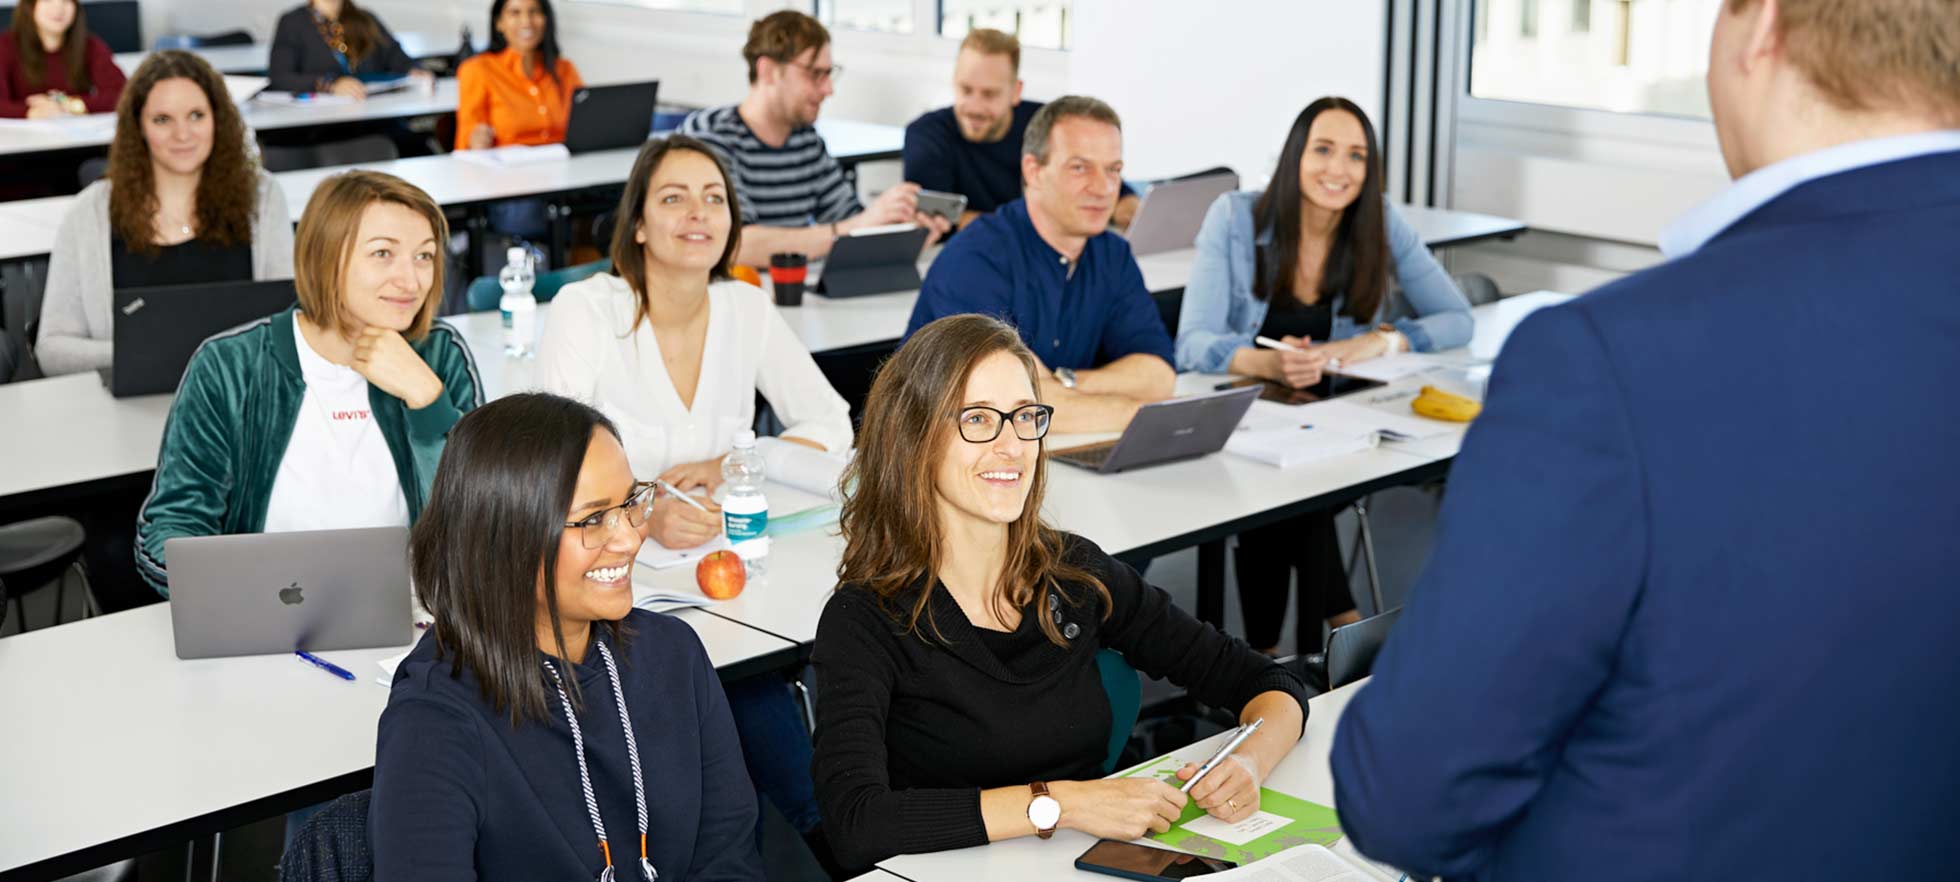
(332, 846)
(1351, 649)
(367, 148)
(118, 22)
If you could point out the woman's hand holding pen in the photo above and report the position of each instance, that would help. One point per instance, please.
(1230, 791)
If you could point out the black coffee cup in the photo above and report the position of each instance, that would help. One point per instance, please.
(787, 271)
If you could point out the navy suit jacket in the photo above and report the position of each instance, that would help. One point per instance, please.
(1694, 611)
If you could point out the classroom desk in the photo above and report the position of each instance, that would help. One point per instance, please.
(119, 748)
(252, 58)
(1305, 773)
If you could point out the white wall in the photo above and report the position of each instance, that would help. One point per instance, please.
(1195, 88)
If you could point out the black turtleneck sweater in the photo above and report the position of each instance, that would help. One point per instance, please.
(910, 729)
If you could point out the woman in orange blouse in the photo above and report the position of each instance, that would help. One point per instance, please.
(520, 92)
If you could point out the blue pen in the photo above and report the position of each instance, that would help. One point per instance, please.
(325, 665)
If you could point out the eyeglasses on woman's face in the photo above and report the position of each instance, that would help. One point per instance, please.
(598, 527)
(980, 424)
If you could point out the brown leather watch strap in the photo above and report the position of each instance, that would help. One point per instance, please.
(1040, 789)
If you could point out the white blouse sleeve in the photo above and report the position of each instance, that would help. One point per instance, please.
(802, 398)
(571, 343)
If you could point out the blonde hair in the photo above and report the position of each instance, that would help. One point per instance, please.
(325, 240)
(1876, 54)
(988, 41)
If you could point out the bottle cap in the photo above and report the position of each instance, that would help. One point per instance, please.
(745, 438)
(517, 253)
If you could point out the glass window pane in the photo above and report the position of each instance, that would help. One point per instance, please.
(1628, 56)
(1040, 24)
(884, 16)
(717, 7)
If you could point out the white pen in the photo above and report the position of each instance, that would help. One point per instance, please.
(1223, 752)
(1271, 343)
(684, 497)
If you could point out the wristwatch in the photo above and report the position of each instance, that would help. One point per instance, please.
(1043, 811)
(1391, 336)
(1066, 376)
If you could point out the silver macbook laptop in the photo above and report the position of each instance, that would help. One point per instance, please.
(1163, 431)
(279, 592)
(1172, 212)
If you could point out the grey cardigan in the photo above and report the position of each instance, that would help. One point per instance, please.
(75, 322)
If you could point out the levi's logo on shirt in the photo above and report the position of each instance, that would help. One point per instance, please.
(347, 415)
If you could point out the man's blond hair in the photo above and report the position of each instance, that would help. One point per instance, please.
(1876, 54)
(988, 41)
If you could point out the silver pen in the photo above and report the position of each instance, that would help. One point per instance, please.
(684, 497)
(1223, 752)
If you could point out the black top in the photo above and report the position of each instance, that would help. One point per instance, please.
(938, 157)
(461, 794)
(185, 263)
(910, 729)
(1289, 317)
(303, 62)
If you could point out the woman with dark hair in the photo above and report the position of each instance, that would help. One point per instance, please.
(1307, 263)
(334, 46)
(961, 701)
(50, 65)
(519, 92)
(184, 201)
(674, 351)
(544, 728)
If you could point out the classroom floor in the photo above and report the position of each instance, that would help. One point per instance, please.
(1404, 521)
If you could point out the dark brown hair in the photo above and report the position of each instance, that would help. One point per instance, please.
(1870, 54)
(228, 189)
(629, 256)
(1357, 261)
(362, 32)
(891, 539)
(781, 36)
(34, 59)
(325, 240)
(487, 543)
(547, 47)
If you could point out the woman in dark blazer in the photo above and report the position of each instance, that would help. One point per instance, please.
(544, 728)
(334, 46)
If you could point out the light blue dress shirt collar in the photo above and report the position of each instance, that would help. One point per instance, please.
(1757, 188)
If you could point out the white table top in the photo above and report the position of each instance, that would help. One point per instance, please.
(1304, 774)
(195, 737)
(70, 430)
(1443, 227)
(253, 58)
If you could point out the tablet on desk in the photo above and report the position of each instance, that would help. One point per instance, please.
(1330, 386)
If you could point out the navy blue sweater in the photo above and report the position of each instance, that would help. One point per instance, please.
(460, 794)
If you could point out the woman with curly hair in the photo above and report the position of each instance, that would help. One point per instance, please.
(183, 202)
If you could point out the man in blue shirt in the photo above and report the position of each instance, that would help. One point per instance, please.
(973, 148)
(1691, 613)
(1048, 265)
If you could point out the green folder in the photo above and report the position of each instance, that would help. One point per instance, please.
(1282, 822)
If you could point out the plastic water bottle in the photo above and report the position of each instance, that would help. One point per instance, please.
(519, 307)
(744, 511)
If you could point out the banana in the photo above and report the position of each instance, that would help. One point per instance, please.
(1440, 405)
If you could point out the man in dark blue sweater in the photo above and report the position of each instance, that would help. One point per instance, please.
(973, 148)
(1692, 610)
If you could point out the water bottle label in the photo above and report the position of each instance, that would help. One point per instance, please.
(743, 527)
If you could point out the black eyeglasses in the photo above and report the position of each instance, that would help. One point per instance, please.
(980, 424)
(598, 527)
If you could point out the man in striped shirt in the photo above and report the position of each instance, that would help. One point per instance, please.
(794, 194)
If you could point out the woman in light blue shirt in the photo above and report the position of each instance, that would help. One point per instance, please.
(1307, 262)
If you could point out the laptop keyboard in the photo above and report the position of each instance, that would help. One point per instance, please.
(1089, 457)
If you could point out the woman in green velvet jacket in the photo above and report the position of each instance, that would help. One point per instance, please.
(331, 415)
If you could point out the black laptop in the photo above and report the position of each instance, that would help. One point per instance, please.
(611, 117)
(156, 330)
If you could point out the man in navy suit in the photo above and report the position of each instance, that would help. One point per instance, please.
(1694, 605)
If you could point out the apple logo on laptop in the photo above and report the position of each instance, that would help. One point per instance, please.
(290, 595)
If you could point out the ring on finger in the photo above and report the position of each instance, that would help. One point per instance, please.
(1233, 803)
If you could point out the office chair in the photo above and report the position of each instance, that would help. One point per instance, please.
(352, 151)
(332, 846)
(38, 552)
(1125, 691)
(1351, 651)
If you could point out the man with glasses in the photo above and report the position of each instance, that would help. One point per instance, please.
(1048, 265)
(794, 194)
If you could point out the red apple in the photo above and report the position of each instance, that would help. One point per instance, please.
(721, 575)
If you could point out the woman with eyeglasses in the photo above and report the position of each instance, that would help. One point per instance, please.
(544, 728)
(961, 699)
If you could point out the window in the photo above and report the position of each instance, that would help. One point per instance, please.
(717, 7)
(882, 16)
(1041, 24)
(1634, 56)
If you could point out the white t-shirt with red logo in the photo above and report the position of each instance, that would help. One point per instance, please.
(338, 473)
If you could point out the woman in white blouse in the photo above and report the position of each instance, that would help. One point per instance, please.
(673, 349)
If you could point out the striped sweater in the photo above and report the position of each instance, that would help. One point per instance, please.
(794, 185)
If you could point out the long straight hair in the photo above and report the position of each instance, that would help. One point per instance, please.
(1357, 261)
(628, 255)
(362, 32)
(34, 59)
(486, 545)
(891, 537)
(547, 48)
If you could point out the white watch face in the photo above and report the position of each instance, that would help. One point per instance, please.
(1044, 812)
